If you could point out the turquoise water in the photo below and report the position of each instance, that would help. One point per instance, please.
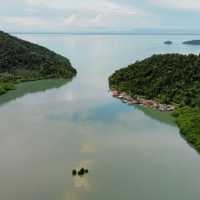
(50, 127)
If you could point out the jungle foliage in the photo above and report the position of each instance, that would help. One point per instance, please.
(24, 61)
(171, 79)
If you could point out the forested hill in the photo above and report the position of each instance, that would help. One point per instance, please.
(171, 79)
(21, 61)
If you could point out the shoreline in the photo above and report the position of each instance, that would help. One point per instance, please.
(125, 98)
(10, 86)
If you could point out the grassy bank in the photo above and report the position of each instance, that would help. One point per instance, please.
(8, 81)
(188, 120)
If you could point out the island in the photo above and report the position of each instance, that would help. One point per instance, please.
(167, 82)
(22, 61)
(168, 42)
(192, 42)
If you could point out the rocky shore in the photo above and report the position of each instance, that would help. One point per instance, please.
(141, 101)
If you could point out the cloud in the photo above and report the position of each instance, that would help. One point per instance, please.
(75, 15)
(98, 6)
(72, 20)
(111, 8)
(185, 5)
(39, 22)
(23, 21)
(65, 14)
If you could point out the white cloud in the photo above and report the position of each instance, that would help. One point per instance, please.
(72, 20)
(98, 6)
(58, 24)
(111, 8)
(32, 22)
(23, 21)
(61, 15)
(187, 5)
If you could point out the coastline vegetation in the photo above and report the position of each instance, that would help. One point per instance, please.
(188, 120)
(24, 61)
(167, 78)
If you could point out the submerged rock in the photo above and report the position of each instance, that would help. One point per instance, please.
(80, 172)
(74, 172)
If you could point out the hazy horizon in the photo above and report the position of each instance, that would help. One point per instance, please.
(99, 15)
(153, 31)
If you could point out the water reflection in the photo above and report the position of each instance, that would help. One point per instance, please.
(31, 87)
(81, 183)
(87, 149)
(130, 155)
(162, 117)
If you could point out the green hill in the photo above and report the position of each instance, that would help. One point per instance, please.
(23, 61)
(171, 79)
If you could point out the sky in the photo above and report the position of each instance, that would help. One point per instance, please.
(97, 15)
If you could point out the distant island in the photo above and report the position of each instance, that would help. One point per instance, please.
(24, 61)
(192, 42)
(164, 82)
(168, 42)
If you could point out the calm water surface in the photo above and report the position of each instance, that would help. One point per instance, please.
(50, 127)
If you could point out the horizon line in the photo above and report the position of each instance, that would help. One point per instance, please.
(104, 33)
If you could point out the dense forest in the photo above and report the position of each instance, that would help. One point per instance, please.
(169, 78)
(23, 61)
